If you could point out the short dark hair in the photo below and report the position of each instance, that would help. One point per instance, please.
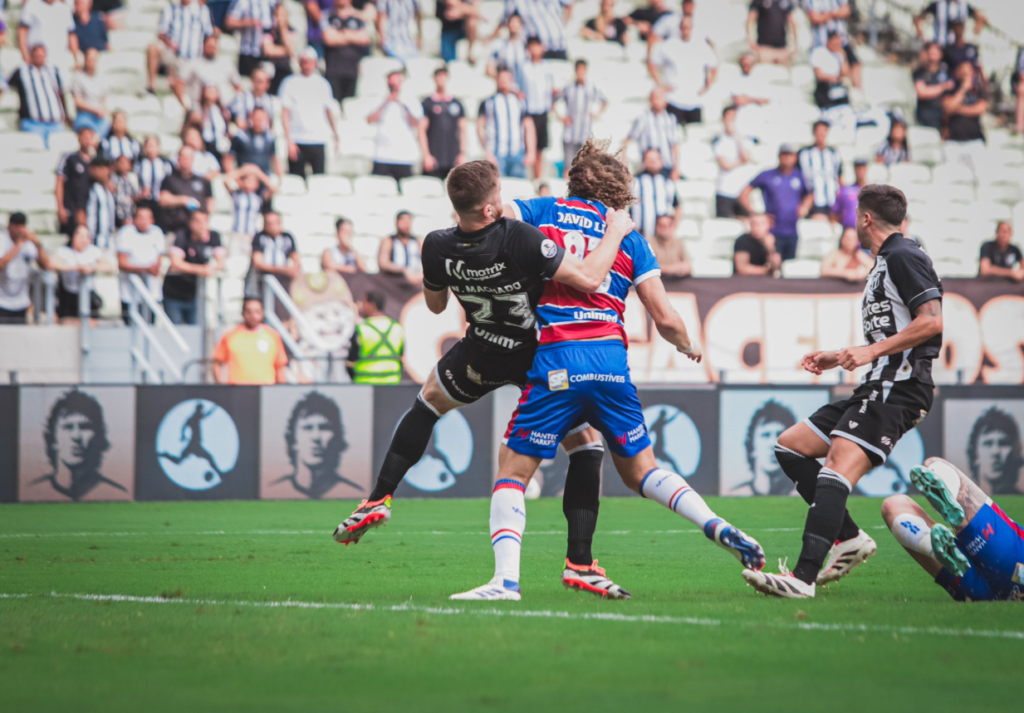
(73, 402)
(17, 219)
(443, 69)
(313, 404)
(100, 162)
(400, 213)
(581, 63)
(533, 40)
(771, 412)
(821, 122)
(377, 299)
(470, 184)
(726, 110)
(340, 222)
(197, 211)
(886, 203)
(393, 72)
(996, 419)
(247, 300)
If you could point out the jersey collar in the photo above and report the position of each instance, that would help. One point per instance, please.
(477, 235)
(891, 242)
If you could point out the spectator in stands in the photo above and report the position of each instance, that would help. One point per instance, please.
(90, 29)
(182, 192)
(197, 253)
(278, 50)
(204, 163)
(606, 27)
(100, 206)
(685, 67)
(342, 257)
(124, 184)
(655, 195)
(537, 85)
(931, 81)
(119, 142)
(584, 102)
(670, 251)
(657, 128)
(18, 248)
(51, 24)
(830, 69)
(40, 87)
(735, 157)
(944, 13)
(205, 70)
(273, 253)
(895, 149)
(748, 96)
(783, 189)
(306, 99)
(844, 211)
(251, 191)
(375, 352)
(394, 18)
(962, 109)
(249, 100)
(646, 16)
(152, 168)
(822, 169)
(848, 261)
(506, 132)
(346, 41)
(255, 146)
(960, 51)
(316, 10)
(544, 19)
(141, 246)
(212, 118)
(754, 252)
(398, 125)
(1000, 258)
(510, 52)
(667, 26)
(252, 352)
(826, 17)
(400, 253)
(184, 27)
(543, 190)
(72, 187)
(89, 92)
(3, 43)
(78, 259)
(770, 26)
(458, 22)
(1017, 83)
(250, 19)
(443, 133)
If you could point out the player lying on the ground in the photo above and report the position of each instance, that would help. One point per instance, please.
(580, 372)
(902, 313)
(497, 268)
(983, 560)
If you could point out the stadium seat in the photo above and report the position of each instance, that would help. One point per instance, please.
(801, 268)
(688, 229)
(292, 185)
(374, 186)
(329, 187)
(423, 187)
(903, 173)
(878, 173)
(712, 267)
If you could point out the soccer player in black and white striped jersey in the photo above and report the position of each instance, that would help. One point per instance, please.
(584, 102)
(902, 318)
(944, 13)
(658, 129)
(655, 195)
(822, 169)
(184, 26)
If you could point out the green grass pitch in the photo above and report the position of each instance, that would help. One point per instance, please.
(216, 636)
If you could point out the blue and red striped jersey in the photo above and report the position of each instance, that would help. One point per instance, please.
(564, 313)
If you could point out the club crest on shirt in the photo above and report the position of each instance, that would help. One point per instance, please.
(558, 380)
(548, 248)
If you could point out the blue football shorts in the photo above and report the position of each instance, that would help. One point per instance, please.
(995, 546)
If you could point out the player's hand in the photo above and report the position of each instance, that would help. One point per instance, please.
(817, 362)
(854, 357)
(619, 221)
(567, 120)
(695, 354)
(293, 151)
(429, 163)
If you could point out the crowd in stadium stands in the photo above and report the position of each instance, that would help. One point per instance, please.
(123, 194)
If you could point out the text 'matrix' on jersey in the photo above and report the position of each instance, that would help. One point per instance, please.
(565, 313)
(497, 273)
(902, 280)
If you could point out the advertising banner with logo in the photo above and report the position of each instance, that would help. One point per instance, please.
(459, 456)
(76, 443)
(983, 438)
(314, 442)
(755, 329)
(8, 443)
(197, 443)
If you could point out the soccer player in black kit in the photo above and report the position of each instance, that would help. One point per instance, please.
(496, 268)
(902, 314)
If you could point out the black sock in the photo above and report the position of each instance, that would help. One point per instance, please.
(823, 521)
(407, 446)
(804, 472)
(580, 503)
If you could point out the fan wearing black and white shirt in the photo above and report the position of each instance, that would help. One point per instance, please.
(1001, 258)
(273, 253)
(830, 69)
(822, 167)
(655, 196)
(902, 315)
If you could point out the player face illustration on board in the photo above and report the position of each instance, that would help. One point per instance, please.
(766, 425)
(315, 438)
(994, 453)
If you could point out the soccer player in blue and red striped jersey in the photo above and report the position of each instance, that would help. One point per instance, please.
(580, 371)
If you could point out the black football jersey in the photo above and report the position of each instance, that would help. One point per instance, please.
(498, 274)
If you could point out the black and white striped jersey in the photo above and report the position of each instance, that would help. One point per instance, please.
(656, 131)
(819, 33)
(656, 196)
(250, 41)
(581, 103)
(902, 280)
(187, 26)
(504, 124)
(152, 172)
(101, 215)
(246, 217)
(821, 169)
(114, 147)
(543, 19)
(946, 12)
(40, 91)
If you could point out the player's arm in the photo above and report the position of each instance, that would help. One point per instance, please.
(667, 321)
(435, 291)
(437, 300)
(926, 324)
(588, 275)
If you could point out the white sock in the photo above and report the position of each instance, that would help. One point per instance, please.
(671, 490)
(913, 532)
(508, 520)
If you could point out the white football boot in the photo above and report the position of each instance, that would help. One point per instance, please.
(846, 555)
(495, 590)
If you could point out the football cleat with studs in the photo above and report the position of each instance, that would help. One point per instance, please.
(366, 517)
(591, 578)
(846, 555)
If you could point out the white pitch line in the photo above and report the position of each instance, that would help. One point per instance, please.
(325, 532)
(545, 614)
